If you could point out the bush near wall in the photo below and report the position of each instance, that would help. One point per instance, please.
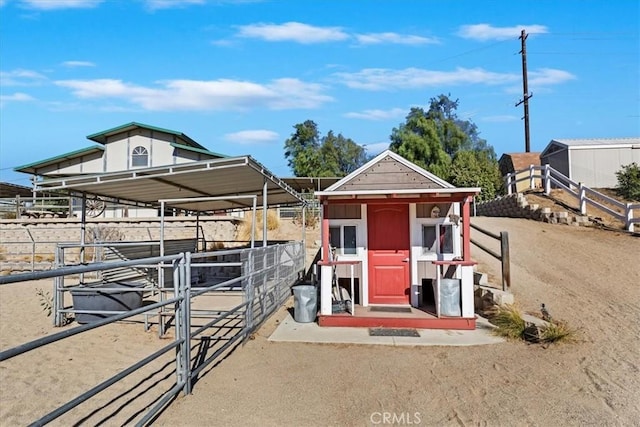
(629, 182)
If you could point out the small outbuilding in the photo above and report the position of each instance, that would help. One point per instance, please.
(396, 247)
(518, 162)
(593, 162)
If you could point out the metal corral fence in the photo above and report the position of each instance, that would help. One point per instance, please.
(503, 256)
(182, 304)
(26, 248)
(584, 194)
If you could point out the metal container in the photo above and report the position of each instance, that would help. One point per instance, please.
(94, 299)
(305, 303)
(450, 298)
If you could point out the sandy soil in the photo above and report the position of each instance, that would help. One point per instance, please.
(588, 277)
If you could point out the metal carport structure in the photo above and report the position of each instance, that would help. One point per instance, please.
(203, 186)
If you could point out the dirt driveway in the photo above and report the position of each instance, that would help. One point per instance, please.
(588, 277)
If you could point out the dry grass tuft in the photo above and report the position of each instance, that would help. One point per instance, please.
(508, 320)
(558, 331)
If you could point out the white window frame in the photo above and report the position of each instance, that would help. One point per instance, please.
(437, 222)
(134, 154)
(341, 225)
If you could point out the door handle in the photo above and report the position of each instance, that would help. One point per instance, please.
(405, 260)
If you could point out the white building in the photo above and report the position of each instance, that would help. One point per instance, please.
(593, 162)
(123, 148)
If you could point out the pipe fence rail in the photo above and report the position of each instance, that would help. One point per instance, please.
(503, 256)
(203, 332)
(585, 195)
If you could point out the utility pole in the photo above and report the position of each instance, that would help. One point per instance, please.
(525, 90)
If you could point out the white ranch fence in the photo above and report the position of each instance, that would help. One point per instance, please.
(585, 195)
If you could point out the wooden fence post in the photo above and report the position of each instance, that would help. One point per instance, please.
(506, 262)
(628, 214)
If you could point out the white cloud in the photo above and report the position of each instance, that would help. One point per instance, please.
(248, 137)
(500, 119)
(540, 80)
(411, 78)
(549, 76)
(292, 31)
(78, 64)
(394, 38)
(21, 77)
(170, 4)
(484, 32)
(16, 97)
(194, 95)
(394, 113)
(61, 4)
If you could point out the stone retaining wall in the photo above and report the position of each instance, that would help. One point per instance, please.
(517, 206)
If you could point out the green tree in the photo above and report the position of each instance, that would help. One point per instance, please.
(476, 168)
(302, 149)
(447, 146)
(629, 181)
(417, 140)
(331, 155)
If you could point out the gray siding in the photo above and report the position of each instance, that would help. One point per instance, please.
(559, 161)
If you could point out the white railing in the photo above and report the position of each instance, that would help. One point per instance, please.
(584, 194)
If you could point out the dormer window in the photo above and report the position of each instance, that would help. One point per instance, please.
(139, 157)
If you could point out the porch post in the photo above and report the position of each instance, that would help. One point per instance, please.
(325, 232)
(325, 270)
(466, 229)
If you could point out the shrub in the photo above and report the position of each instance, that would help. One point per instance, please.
(629, 182)
(244, 229)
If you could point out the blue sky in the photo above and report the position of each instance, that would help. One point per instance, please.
(236, 76)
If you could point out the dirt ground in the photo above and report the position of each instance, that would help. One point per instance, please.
(587, 277)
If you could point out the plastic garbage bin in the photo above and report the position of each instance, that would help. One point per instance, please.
(450, 297)
(305, 303)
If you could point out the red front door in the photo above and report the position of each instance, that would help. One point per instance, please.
(388, 243)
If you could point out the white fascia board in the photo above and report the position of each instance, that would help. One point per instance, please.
(389, 192)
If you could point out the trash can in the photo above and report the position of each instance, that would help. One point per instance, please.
(305, 303)
(450, 297)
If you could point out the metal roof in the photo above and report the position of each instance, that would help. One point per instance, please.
(302, 183)
(231, 176)
(101, 137)
(32, 167)
(594, 143)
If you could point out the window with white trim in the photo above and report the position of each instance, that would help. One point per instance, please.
(343, 238)
(139, 157)
(437, 238)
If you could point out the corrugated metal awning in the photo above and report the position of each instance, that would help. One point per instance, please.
(233, 176)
